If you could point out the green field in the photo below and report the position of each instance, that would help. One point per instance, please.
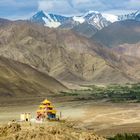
(113, 93)
(125, 137)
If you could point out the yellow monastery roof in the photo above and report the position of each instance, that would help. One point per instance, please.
(46, 102)
(42, 106)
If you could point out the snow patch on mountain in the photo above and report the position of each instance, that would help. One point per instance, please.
(79, 19)
(51, 24)
(110, 17)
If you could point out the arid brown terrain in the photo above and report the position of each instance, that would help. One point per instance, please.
(18, 79)
(62, 54)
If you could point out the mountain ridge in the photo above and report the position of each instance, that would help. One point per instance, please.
(54, 20)
(95, 18)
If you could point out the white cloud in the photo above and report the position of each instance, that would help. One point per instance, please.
(80, 6)
(133, 4)
(24, 8)
(81, 1)
(56, 6)
(46, 5)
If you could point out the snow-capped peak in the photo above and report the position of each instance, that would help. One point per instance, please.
(39, 14)
(110, 17)
(48, 19)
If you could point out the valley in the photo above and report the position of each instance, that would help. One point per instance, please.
(91, 109)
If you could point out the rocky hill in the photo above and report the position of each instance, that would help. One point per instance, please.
(18, 79)
(45, 131)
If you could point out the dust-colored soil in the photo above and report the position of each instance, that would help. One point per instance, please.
(104, 119)
(110, 119)
(47, 131)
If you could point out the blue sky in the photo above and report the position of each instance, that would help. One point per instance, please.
(19, 9)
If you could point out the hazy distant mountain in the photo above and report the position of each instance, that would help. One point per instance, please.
(131, 16)
(93, 18)
(4, 22)
(87, 24)
(120, 32)
(85, 29)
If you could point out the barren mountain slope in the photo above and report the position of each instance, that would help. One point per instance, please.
(123, 39)
(60, 53)
(119, 33)
(128, 65)
(85, 29)
(17, 79)
(132, 50)
(129, 56)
